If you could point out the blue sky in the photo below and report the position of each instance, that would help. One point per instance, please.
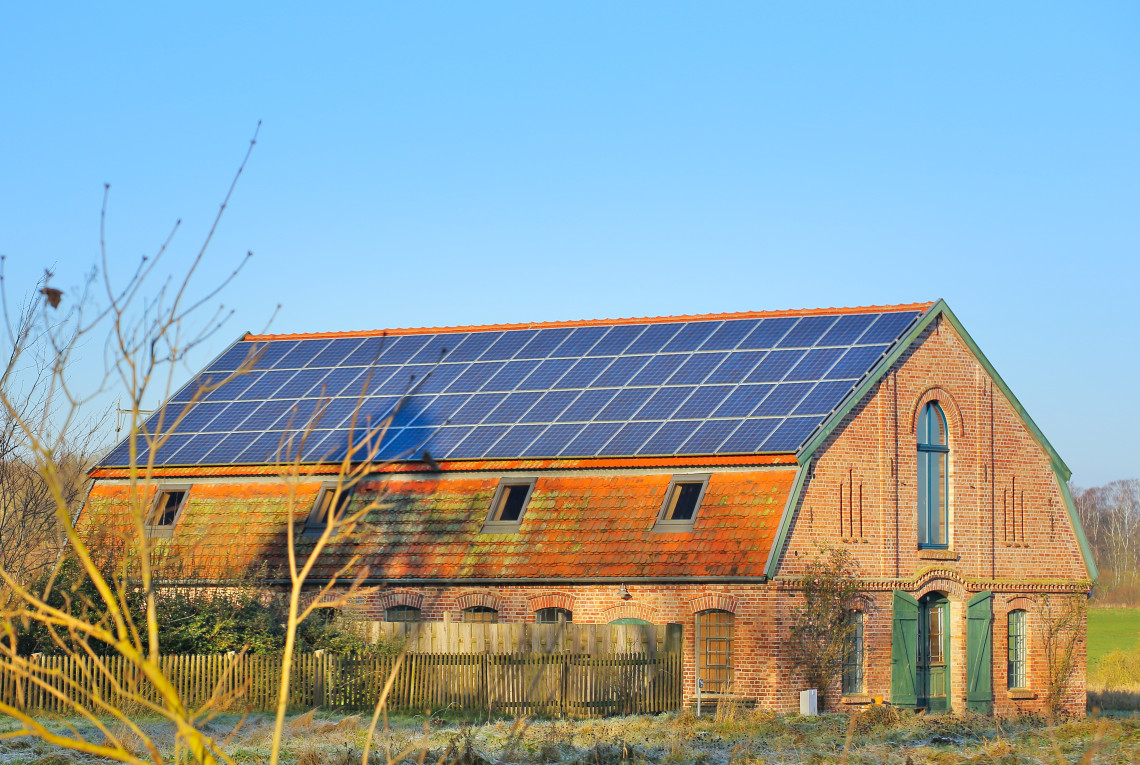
(434, 164)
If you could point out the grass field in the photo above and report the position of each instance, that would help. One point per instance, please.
(880, 735)
(1111, 629)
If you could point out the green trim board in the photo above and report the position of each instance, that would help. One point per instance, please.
(807, 451)
(1078, 528)
(786, 519)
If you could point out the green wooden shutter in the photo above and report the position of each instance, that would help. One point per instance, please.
(980, 653)
(904, 651)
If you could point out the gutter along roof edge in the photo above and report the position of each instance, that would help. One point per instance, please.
(593, 322)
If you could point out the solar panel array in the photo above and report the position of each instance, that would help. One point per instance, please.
(737, 386)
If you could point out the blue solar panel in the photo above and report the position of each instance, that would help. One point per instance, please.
(547, 373)
(847, 329)
(620, 372)
(702, 403)
(400, 349)
(742, 401)
(513, 407)
(551, 405)
(774, 366)
(729, 335)
(856, 362)
(782, 400)
(749, 437)
(663, 403)
(478, 441)
(553, 441)
(474, 378)
(478, 407)
(625, 404)
(515, 441)
(823, 398)
(696, 369)
(658, 370)
(616, 340)
(770, 332)
(587, 405)
(678, 387)
(583, 372)
(709, 436)
(690, 336)
(791, 434)
(508, 345)
(472, 346)
(653, 339)
(437, 348)
(592, 438)
(814, 365)
(543, 344)
(887, 328)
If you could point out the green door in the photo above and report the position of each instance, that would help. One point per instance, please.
(904, 650)
(934, 652)
(979, 653)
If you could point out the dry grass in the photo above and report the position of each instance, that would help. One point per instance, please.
(743, 737)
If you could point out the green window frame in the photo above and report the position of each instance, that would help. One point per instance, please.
(853, 656)
(1016, 663)
(933, 478)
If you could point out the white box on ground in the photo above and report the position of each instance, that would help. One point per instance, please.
(809, 702)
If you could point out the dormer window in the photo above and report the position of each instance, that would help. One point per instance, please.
(166, 510)
(933, 480)
(331, 501)
(508, 506)
(682, 501)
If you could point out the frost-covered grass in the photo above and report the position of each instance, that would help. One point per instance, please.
(879, 735)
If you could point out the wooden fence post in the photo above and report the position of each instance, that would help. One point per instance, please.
(674, 642)
(319, 677)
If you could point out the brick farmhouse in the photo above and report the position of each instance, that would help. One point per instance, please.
(680, 469)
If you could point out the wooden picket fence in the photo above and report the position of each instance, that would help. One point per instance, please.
(557, 679)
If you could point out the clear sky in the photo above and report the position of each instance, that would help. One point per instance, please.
(468, 163)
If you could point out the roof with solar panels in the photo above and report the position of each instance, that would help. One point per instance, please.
(716, 385)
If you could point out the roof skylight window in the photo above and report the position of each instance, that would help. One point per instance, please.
(508, 506)
(682, 501)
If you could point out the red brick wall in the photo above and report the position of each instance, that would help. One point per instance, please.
(1009, 529)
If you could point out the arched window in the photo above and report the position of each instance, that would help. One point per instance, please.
(714, 650)
(480, 614)
(853, 656)
(933, 483)
(401, 614)
(1015, 676)
(553, 615)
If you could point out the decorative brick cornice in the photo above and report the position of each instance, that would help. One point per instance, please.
(477, 600)
(401, 598)
(713, 601)
(631, 611)
(551, 600)
(949, 404)
(926, 576)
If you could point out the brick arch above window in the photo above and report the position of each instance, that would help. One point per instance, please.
(402, 598)
(713, 601)
(631, 611)
(477, 600)
(1020, 603)
(954, 420)
(551, 600)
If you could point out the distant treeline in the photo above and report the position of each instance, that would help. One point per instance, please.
(1111, 517)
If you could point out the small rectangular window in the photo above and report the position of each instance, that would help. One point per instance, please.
(329, 500)
(508, 506)
(682, 502)
(167, 507)
(853, 656)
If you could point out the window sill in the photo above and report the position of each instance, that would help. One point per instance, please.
(1021, 694)
(937, 553)
(501, 527)
(858, 698)
(160, 532)
(672, 527)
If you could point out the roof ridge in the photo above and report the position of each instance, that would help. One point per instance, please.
(595, 322)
